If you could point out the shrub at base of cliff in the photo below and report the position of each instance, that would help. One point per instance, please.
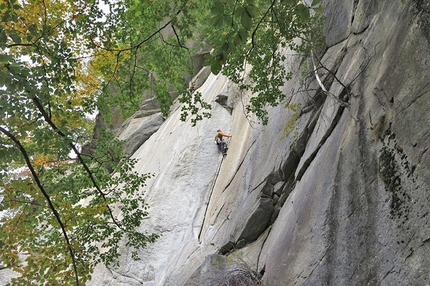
(222, 270)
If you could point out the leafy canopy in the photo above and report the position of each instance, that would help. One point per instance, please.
(62, 60)
(62, 208)
(252, 43)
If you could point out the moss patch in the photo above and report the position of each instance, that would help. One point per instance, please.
(391, 162)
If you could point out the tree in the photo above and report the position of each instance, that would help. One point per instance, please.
(248, 39)
(256, 34)
(61, 60)
(63, 208)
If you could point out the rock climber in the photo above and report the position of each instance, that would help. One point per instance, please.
(222, 146)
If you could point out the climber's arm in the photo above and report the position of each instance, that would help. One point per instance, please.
(223, 134)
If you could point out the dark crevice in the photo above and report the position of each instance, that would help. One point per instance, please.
(364, 29)
(210, 196)
(336, 119)
(227, 248)
(268, 208)
(240, 165)
(220, 210)
(354, 9)
(262, 182)
(271, 199)
(286, 172)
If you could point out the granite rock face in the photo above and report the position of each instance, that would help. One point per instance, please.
(340, 199)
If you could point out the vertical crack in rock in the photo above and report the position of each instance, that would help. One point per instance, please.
(240, 165)
(257, 222)
(228, 184)
(271, 200)
(342, 96)
(210, 196)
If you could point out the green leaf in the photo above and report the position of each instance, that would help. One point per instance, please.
(216, 67)
(237, 39)
(5, 78)
(303, 12)
(5, 58)
(15, 68)
(3, 37)
(252, 10)
(238, 11)
(226, 47)
(15, 37)
(315, 2)
(246, 20)
(243, 33)
(217, 8)
(5, 17)
(218, 20)
(228, 20)
(289, 2)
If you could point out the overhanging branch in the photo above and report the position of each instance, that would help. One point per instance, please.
(46, 195)
(78, 154)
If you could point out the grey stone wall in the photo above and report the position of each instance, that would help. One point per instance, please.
(341, 199)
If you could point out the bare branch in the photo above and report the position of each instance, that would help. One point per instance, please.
(334, 97)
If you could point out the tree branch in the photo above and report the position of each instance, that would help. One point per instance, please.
(137, 46)
(258, 25)
(46, 195)
(178, 39)
(335, 98)
(78, 154)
